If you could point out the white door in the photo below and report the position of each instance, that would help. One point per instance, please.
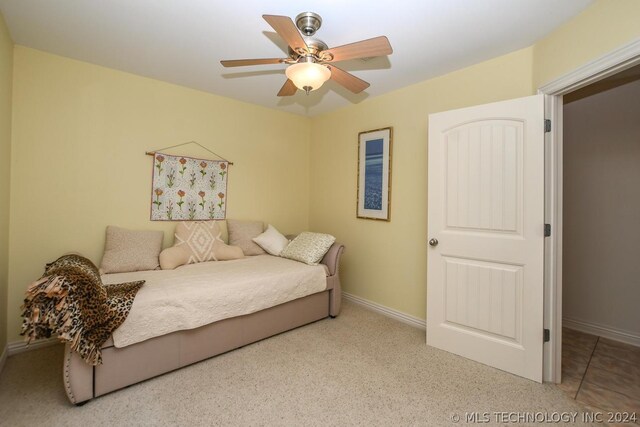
(486, 231)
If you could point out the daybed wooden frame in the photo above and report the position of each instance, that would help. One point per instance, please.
(125, 366)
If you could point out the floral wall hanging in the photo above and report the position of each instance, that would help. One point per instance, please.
(188, 189)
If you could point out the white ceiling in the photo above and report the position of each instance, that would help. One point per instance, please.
(183, 41)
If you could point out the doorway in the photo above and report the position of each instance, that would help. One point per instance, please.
(616, 61)
(601, 235)
(459, 334)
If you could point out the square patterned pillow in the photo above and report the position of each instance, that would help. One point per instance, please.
(272, 241)
(241, 233)
(197, 241)
(130, 250)
(308, 247)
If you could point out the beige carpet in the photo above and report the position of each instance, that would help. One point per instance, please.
(358, 369)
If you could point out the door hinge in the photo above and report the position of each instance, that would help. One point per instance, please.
(547, 230)
(546, 335)
(547, 125)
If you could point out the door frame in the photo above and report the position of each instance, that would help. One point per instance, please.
(618, 60)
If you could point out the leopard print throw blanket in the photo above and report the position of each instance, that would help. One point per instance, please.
(71, 301)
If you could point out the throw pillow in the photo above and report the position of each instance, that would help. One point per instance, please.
(131, 250)
(309, 247)
(197, 241)
(241, 233)
(173, 257)
(272, 241)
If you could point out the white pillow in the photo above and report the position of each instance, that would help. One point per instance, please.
(272, 241)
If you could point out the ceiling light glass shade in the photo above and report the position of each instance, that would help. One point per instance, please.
(308, 76)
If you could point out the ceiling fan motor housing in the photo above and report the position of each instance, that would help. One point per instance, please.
(314, 47)
(308, 23)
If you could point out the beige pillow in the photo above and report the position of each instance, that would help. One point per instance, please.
(272, 241)
(131, 250)
(308, 247)
(173, 257)
(241, 233)
(197, 241)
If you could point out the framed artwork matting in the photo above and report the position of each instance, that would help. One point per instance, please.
(374, 174)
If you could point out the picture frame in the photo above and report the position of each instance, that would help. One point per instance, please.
(374, 174)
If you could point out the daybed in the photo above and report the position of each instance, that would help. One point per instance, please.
(126, 365)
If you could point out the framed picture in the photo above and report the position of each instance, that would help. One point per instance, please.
(374, 174)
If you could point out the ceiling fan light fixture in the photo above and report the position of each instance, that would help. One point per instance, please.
(308, 76)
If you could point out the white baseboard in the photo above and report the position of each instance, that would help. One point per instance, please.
(386, 311)
(3, 357)
(602, 331)
(16, 347)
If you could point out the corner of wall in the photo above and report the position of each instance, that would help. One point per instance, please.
(6, 90)
(105, 117)
(601, 28)
(384, 262)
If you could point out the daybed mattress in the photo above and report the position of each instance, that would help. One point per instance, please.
(198, 294)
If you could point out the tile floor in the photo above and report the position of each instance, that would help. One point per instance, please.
(600, 373)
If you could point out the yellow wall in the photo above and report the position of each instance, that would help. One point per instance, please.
(79, 136)
(6, 69)
(599, 29)
(80, 131)
(385, 262)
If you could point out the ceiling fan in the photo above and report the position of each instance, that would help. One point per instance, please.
(310, 61)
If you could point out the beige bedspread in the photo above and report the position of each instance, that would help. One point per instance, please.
(198, 294)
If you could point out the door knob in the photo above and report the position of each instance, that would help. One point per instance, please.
(433, 242)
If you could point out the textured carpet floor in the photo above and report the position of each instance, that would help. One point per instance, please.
(358, 369)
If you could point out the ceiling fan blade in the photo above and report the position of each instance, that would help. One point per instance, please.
(377, 46)
(244, 62)
(348, 80)
(288, 88)
(286, 29)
